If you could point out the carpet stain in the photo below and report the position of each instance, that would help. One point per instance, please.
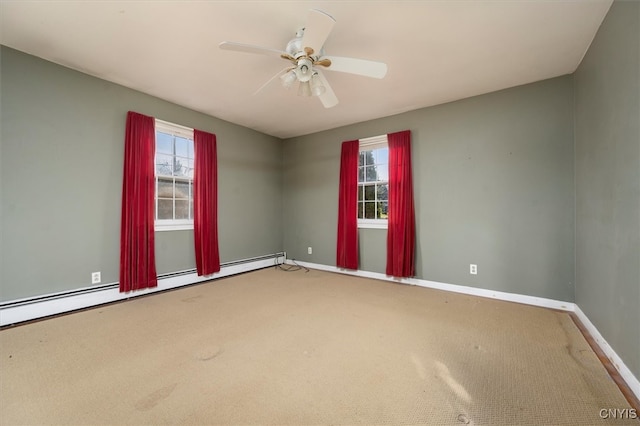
(480, 349)
(575, 354)
(151, 400)
(205, 354)
(463, 419)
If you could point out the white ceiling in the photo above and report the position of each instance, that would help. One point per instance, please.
(436, 51)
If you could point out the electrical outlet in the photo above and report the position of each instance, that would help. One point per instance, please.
(473, 269)
(309, 250)
(95, 278)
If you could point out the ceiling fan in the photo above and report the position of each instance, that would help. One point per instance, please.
(306, 54)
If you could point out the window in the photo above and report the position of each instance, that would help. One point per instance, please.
(174, 177)
(373, 182)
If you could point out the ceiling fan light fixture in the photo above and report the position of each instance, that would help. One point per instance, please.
(288, 79)
(304, 89)
(317, 88)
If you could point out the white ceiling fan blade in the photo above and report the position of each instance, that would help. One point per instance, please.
(357, 66)
(282, 71)
(249, 48)
(328, 98)
(319, 25)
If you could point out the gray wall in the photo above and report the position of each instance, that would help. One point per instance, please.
(607, 113)
(493, 183)
(62, 150)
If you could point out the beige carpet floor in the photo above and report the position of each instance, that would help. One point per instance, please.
(275, 347)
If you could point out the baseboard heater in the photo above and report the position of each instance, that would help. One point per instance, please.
(15, 311)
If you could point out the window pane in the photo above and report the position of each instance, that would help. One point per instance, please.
(368, 158)
(383, 172)
(383, 210)
(360, 192)
(182, 209)
(165, 209)
(360, 210)
(381, 155)
(369, 210)
(164, 143)
(164, 164)
(182, 147)
(361, 159)
(191, 209)
(370, 192)
(360, 174)
(165, 188)
(182, 189)
(189, 170)
(382, 191)
(371, 174)
(180, 166)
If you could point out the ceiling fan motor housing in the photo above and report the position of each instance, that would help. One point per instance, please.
(304, 62)
(296, 49)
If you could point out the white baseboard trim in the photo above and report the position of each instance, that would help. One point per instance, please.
(474, 291)
(616, 361)
(625, 373)
(46, 306)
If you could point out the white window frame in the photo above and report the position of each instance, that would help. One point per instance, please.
(368, 144)
(172, 224)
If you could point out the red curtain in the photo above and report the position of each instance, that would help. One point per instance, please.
(205, 203)
(347, 251)
(137, 244)
(401, 232)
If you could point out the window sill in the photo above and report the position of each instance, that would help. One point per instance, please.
(162, 228)
(372, 224)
